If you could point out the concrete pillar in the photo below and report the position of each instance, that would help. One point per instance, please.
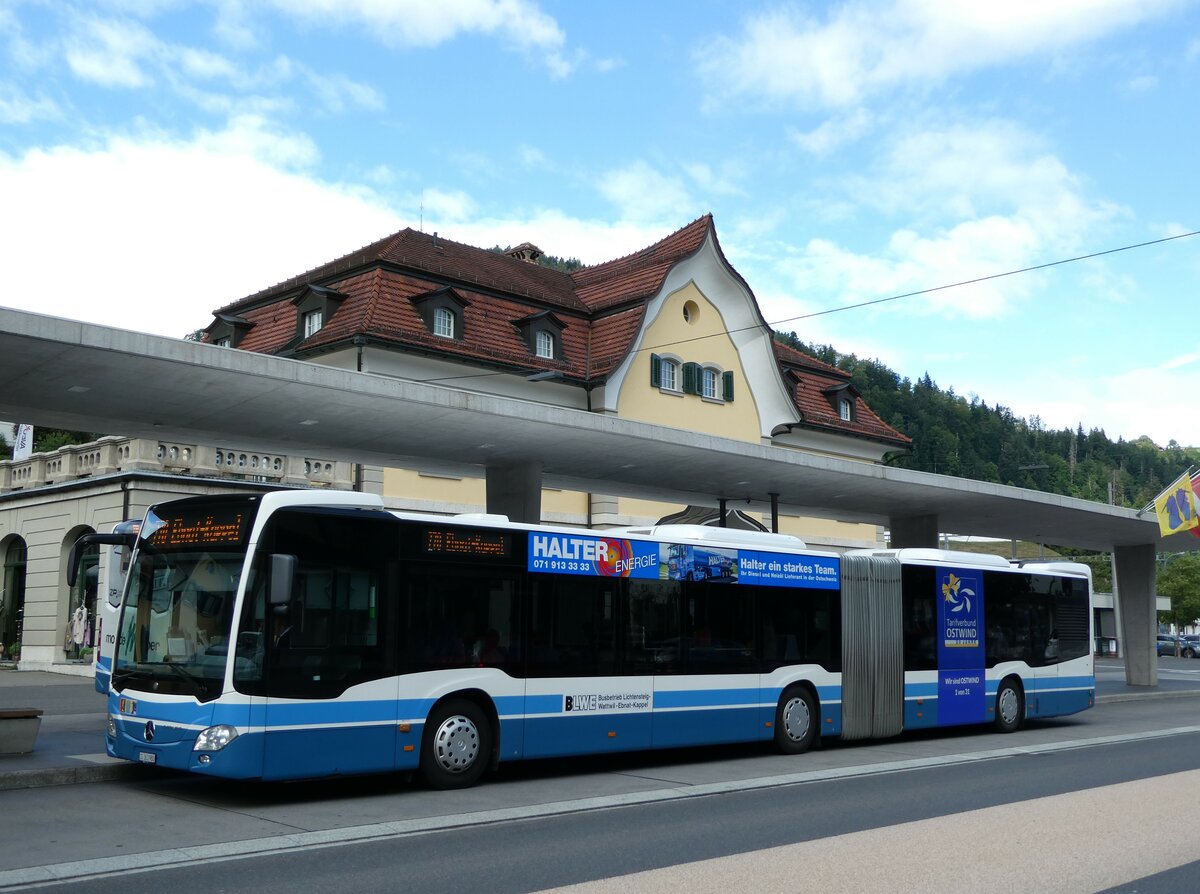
(913, 530)
(1134, 598)
(370, 480)
(515, 490)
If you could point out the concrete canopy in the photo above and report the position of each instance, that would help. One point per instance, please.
(68, 374)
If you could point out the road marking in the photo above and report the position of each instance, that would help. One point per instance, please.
(57, 873)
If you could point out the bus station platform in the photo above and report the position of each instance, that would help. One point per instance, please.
(69, 748)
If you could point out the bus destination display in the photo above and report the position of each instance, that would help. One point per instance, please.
(488, 544)
(201, 529)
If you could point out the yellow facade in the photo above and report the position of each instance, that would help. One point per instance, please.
(689, 328)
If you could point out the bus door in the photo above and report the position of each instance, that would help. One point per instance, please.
(589, 685)
(706, 687)
(331, 695)
(961, 684)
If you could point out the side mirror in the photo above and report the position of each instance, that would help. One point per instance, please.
(283, 574)
(77, 548)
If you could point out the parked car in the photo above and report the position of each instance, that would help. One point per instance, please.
(1189, 645)
(1167, 643)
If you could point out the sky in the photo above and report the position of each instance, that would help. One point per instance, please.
(160, 159)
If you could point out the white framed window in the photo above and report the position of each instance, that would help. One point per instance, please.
(223, 342)
(669, 376)
(545, 344)
(710, 384)
(312, 322)
(443, 322)
(845, 409)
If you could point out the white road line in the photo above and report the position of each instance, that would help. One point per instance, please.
(57, 873)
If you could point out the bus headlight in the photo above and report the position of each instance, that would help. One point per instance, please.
(215, 737)
(112, 727)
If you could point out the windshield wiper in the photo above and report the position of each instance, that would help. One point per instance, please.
(123, 675)
(200, 684)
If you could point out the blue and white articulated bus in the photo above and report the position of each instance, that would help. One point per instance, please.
(306, 633)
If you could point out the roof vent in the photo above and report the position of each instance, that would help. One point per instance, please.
(526, 251)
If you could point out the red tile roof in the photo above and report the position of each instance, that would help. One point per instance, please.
(809, 381)
(601, 307)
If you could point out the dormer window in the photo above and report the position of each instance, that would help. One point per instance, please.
(228, 330)
(843, 399)
(443, 322)
(542, 334)
(312, 323)
(315, 307)
(443, 311)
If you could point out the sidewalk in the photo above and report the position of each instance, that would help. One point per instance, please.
(70, 743)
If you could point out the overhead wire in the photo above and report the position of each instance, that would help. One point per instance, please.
(832, 310)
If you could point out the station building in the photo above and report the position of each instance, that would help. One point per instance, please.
(670, 334)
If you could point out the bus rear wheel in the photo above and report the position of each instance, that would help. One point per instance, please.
(1010, 706)
(457, 745)
(796, 721)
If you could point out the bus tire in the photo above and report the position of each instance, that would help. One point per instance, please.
(1010, 706)
(796, 721)
(457, 745)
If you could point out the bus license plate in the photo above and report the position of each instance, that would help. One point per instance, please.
(147, 757)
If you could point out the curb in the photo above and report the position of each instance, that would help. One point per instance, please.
(36, 778)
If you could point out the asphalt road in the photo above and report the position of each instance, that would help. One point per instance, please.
(1101, 800)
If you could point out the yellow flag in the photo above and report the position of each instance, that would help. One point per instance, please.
(1177, 508)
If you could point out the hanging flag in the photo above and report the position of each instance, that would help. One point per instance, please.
(1177, 507)
(23, 443)
(1196, 491)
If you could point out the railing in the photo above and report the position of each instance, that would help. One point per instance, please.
(110, 455)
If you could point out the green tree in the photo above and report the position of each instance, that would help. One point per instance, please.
(1179, 578)
(48, 439)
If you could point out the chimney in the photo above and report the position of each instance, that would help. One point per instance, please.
(526, 251)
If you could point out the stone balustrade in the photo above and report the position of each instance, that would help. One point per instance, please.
(111, 454)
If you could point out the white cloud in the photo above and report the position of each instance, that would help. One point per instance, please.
(112, 53)
(16, 107)
(170, 229)
(722, 182)
(969, 201)
(591, 241)
(416, 23)
(858, 49)
(644, 194)
(834, 133)
(1127, 404)
(1142, 84)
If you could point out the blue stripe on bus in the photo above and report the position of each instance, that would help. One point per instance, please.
(705, 698)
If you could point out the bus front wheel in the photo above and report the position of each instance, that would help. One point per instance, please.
(796, 721)
(1010, 706)
(457, 745)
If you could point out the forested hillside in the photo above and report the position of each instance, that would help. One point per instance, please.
(953, 435)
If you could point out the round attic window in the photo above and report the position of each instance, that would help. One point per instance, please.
(691, 312)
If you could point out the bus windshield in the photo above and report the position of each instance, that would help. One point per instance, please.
(179, 604)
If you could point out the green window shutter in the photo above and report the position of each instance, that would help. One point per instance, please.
(655, 371)
(727, 385)
(690, 374)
